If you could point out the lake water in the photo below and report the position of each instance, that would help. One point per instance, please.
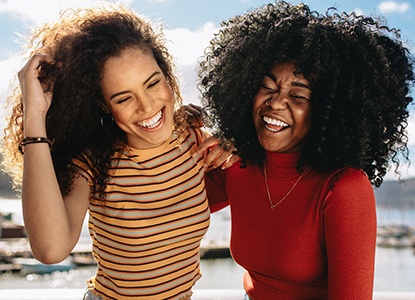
(395, 268)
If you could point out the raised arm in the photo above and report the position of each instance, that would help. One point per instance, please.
(53, 223)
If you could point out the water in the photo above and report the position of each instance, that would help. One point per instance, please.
(394, 271)
(396, 216)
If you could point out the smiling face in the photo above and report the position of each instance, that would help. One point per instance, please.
(281, 109)
(138, 96)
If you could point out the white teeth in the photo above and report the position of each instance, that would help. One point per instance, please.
(274, 122)
(153, 122)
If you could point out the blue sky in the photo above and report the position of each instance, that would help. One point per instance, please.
(188, 24)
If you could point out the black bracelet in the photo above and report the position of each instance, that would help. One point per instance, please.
(32, 140)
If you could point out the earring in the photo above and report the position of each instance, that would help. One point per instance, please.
(105, 116)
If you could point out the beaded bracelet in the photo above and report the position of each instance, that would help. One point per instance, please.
(32, 140)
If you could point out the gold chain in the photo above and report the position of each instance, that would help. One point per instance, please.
(272, 205)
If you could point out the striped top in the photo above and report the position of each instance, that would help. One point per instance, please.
(146, 235)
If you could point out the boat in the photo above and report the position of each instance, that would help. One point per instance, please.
(83, 259)
(9, 228)
(397, 236)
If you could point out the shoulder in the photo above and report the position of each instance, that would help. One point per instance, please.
(86, 159)
(199, 134)
(84, 163)
(349, 177)
(350, 201)
(350, 183)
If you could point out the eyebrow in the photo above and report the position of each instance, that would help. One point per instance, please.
(144, 83)
(295, 83)
(300, 84)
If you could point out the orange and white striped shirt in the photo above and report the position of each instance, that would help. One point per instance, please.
(146, 234)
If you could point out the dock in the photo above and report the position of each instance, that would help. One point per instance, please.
(13, 249)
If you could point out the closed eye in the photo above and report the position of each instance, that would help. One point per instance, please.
(300, 97)
(267, 88)
(154, 83)
(123, 100)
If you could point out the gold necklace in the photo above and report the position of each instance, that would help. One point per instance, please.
(272, 205)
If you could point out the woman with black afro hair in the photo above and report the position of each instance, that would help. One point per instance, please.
(317, 107)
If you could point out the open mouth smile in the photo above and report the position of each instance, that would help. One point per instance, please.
(274, 125)
(152, 122)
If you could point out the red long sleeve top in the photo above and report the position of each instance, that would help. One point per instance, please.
(319, 243)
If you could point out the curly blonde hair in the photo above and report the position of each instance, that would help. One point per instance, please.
(83, 39)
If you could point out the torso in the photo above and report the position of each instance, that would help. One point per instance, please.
(146, 235)
(286, 250)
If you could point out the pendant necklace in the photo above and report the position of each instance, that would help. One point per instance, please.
(272, 205)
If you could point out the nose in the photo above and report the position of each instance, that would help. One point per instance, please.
(144, 103)
(279, 100)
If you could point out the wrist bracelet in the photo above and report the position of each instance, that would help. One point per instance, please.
(32, 140)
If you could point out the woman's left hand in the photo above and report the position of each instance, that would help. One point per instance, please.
(215, 155)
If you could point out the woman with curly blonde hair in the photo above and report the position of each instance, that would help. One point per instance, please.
(99, 122)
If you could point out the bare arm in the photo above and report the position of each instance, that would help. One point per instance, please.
(53, 223)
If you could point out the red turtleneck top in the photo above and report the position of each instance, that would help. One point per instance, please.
(319, 243)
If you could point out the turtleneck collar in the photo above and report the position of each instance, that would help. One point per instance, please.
(281, 165)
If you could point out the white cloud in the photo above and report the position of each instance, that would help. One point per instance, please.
(393, 7)
(186, 45)
(8, 69)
